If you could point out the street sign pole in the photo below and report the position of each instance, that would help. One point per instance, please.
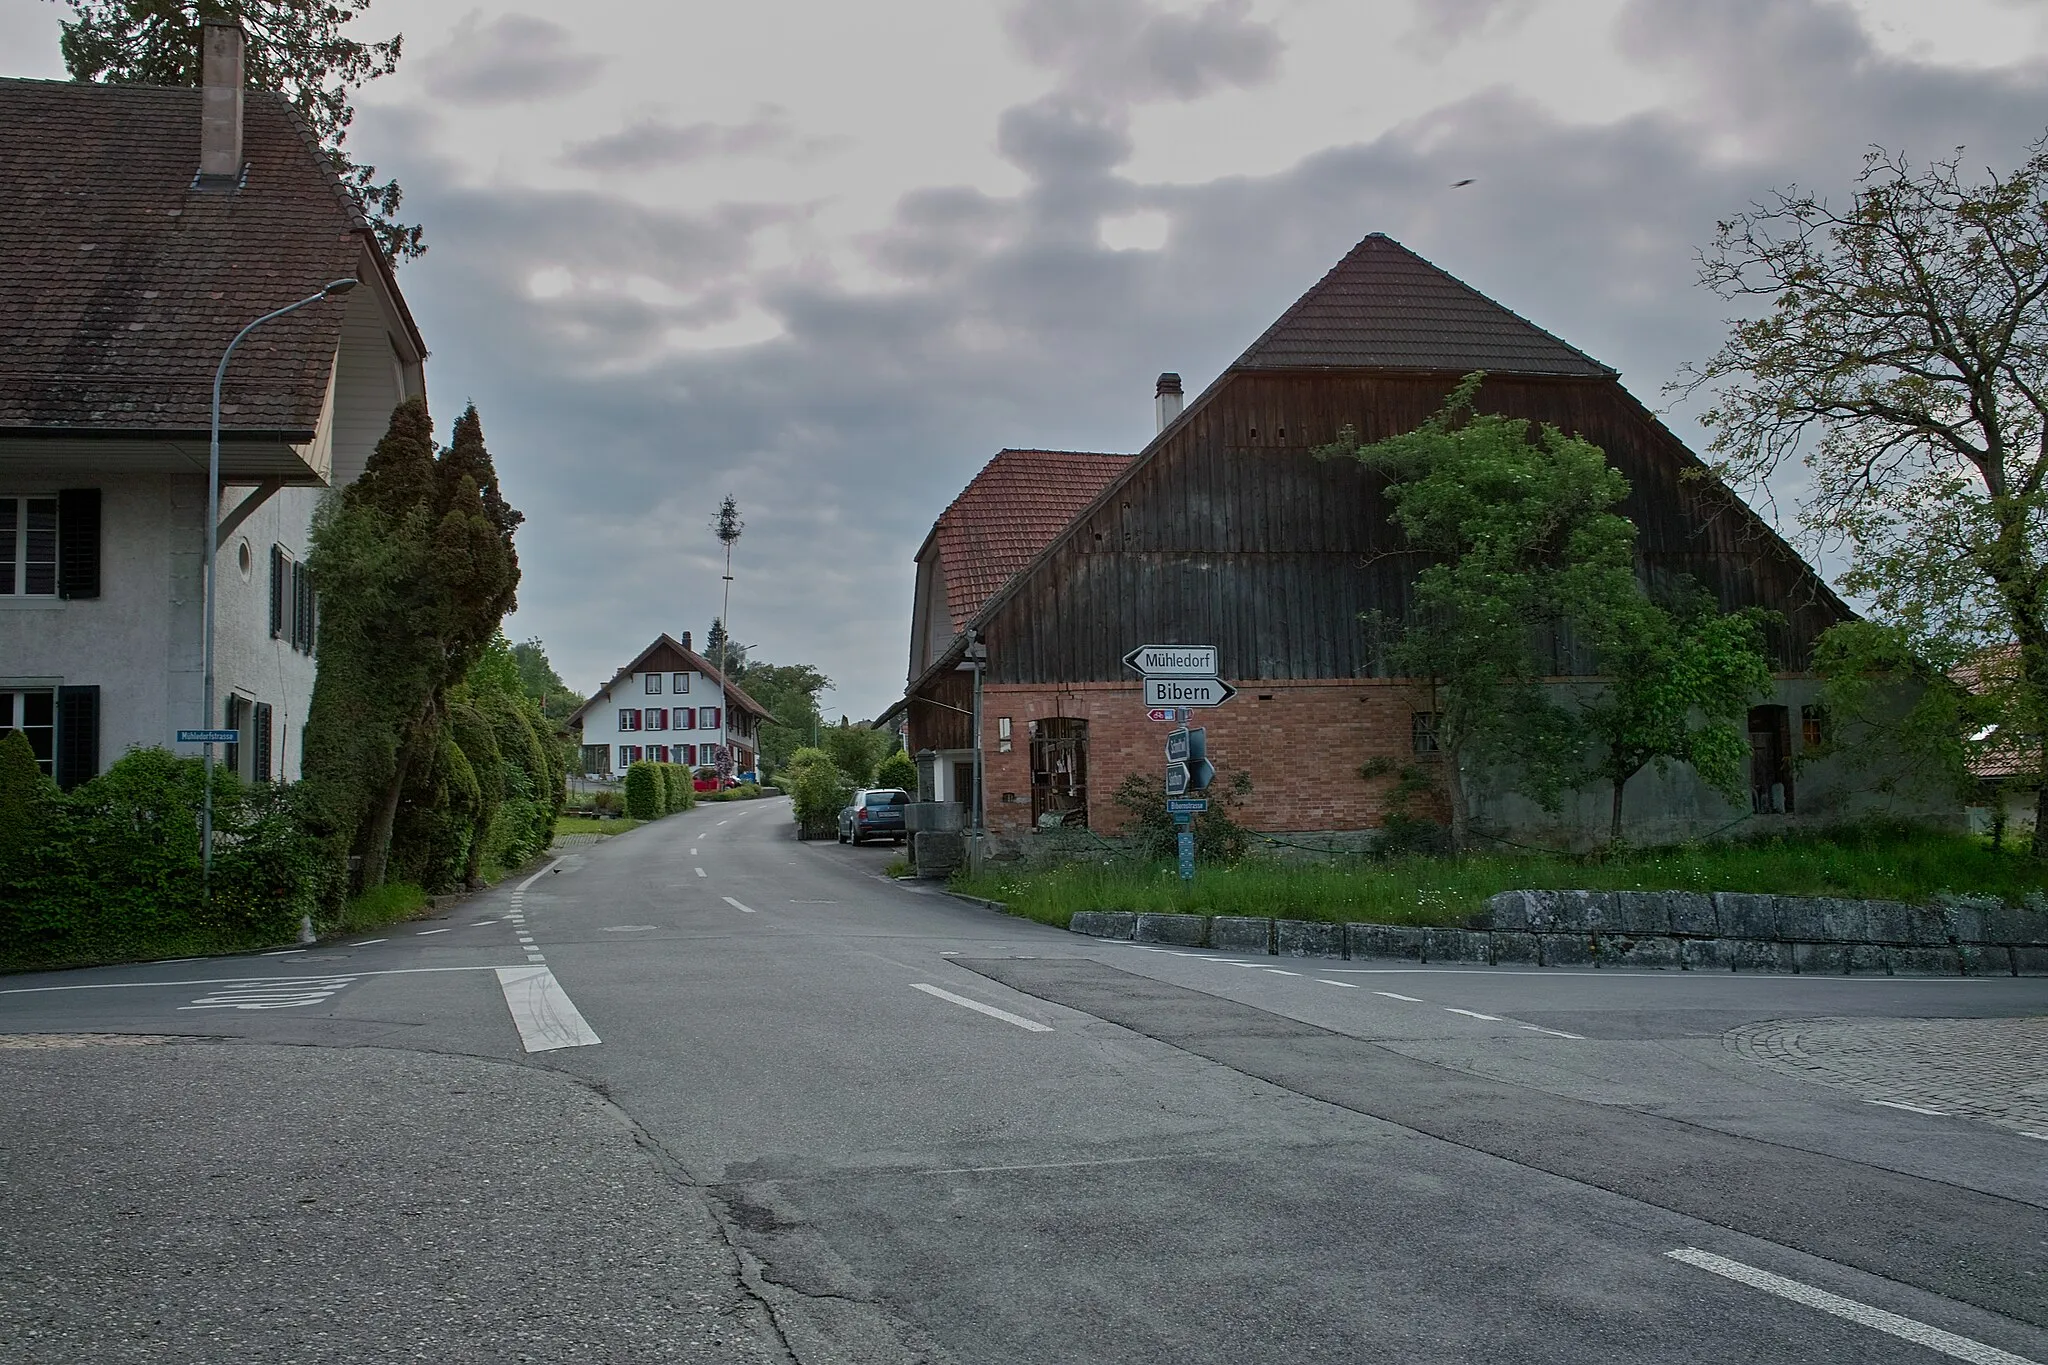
(1178, 679)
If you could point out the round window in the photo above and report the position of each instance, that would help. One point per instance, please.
(242, 558)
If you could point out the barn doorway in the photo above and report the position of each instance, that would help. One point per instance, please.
(1770, 760)
(1059, 772)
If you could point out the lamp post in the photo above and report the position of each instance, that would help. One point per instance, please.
(211, 552)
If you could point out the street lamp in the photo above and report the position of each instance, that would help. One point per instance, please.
(220, 374)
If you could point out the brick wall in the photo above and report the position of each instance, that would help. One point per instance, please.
(1302, 743)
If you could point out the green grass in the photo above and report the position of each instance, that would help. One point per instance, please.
(386, 904)
(585, 824)
(1876, 864)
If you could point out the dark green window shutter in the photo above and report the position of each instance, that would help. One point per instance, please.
(78, 735)
(262, 741)
(78, 542)
(277, 586)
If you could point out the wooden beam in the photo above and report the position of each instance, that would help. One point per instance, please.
(257, 497)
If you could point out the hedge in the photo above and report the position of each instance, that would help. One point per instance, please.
(645, 799)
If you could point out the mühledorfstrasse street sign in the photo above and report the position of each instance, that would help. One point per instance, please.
(1173, 661)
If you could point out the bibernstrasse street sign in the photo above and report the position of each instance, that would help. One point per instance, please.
(1187, 805)
(1173, 661)
(1187, 691)
(209, 736)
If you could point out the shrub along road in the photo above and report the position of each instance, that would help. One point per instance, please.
(777, 1107)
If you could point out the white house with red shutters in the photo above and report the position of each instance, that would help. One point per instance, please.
(667, 706)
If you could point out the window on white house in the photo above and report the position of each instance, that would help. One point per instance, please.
(654, 718)
(682, 683)
(686, 718)
(629, 719)
(657, 753)
(708, 717)
(33, 711)
(28, 547)
(654, 684)
(629, 754)
(687, 753)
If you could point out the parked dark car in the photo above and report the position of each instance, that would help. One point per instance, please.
(876, 813)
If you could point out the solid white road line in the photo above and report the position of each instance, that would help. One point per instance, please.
(542, 1010)
(1906, 1329)
(1911, 1108)
(1391, 996)
(700, 872)
(990, 1010)
(1280, 971)
(229, 980)
(542, 873)
(284, 952)
(1473, 1014)
(1347, 985)
(2040, 1137)
(362, 944)
(737, 906)
(1556, 1033)
(424, 932)
(476, 922)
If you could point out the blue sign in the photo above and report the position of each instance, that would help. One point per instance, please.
(1187, 805)
(1177, 746)
(1187, 855)
(1176, 778)
(209, 736)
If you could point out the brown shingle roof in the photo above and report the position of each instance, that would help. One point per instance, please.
(1383, 306)
(121, 285)
(671, 650)
(1013, 509)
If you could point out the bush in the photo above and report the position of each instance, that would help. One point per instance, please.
(1218, 837)
(898, 770)
(682, 786)
(819, 791)
(606, 803)
(643, 792)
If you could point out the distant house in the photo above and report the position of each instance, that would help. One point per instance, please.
(666, 706)
(124, 273)
(1225, 530)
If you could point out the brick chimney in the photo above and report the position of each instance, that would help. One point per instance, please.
(686, 640)
(220, 113)
(1166, 397)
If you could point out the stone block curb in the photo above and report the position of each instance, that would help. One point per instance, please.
(1179, 931)
(1241, 934)
(1111, 924)
(1308, 938)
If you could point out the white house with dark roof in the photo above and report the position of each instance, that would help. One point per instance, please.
(666, 706)
(124, 274)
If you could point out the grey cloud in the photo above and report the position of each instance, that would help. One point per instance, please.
(1134, 50)
(654, 142)
(511, 59)
(1005, 325)
(1441, 25)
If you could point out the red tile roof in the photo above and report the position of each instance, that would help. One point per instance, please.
(121, 284)
(1385, 307)
(1014, 508)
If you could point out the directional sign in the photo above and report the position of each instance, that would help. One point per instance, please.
(1187, 691)
(1166, 713)
(1177, 746)
(1187, 805)
(209, 736)
(1176, 778)
(1173, 661)
(1201, 772)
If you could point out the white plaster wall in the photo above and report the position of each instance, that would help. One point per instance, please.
(601, 721)
(247, 660)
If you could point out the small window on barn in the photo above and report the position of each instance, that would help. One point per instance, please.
(1813, 728)
(1422, 732)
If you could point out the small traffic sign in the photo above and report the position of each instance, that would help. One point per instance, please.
(1176, 778)
(1201, 772)
(1177, 746)
(1165, 713)
(1186, 849)
(209, 736)
(1179, 691)
(1187, 805)
(1173, 661)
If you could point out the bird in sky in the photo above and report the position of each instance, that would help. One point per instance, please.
(1461, 184)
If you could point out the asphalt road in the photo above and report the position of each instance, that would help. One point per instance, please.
(704, 1093)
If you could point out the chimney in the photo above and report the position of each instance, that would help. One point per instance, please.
(1167, 398)
(686, 640)
(220, 113)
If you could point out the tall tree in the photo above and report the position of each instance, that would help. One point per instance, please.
(1903, 359)
(790, 692)
(556, 699)
(296, 47)
(1517, 522)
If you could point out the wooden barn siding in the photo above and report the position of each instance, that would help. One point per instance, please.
(1235, 535)
(936, 726)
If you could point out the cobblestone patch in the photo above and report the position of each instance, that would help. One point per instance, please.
(56, 1040)
(1994, 1070)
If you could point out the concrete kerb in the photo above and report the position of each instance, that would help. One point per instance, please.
(1669, 930)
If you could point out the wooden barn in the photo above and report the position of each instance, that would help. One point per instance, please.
(1225, 530)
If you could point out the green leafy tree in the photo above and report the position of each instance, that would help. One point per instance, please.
(28, 806)
(541, 682)
(297, 48)
(1518, 523)
(818, 789)
(725, 651)
(1902, 357)
(897, 770)
(1677, 684)
(857, 749)
(790, 692)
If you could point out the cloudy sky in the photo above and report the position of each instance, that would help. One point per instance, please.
(830, 258)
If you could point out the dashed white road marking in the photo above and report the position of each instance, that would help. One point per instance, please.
(1413, 1000)
(542, 873)
(2040, 1137)
(629, 928)
(1473, 1014)
(693, 853)
(542, 1011)
(476, 923)
(362, 943)
(721, 822)
(1556, 1033)
(1280, 971)
(284, 952)
(990, 1010)
(701, 872)
(424, 932)
(1906, 1329)
(737, 906)
(1911, 1108)
(1347, 985)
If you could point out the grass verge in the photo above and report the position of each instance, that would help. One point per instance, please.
(1874, 864)
(585, 824)
(383, 905)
